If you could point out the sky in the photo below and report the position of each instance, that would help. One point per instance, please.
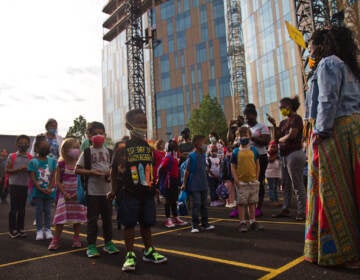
(50, 63)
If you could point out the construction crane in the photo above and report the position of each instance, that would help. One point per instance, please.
(128, 15)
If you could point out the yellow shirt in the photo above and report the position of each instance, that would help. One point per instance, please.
(245, 165)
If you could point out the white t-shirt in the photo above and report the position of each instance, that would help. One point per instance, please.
(258, 130)
(214, 166)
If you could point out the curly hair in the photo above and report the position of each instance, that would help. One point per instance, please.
(293, 102)
(339, 41)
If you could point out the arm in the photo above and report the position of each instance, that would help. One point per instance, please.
(233, 172)
(293, 132)
(35, 182)
(11, 170)
(186, 177)
(59, 182)
(118, 168)
(262, 139)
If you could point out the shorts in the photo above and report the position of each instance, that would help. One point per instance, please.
(134, 209)
(247, 193)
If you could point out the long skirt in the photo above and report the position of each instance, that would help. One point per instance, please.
(332, 232)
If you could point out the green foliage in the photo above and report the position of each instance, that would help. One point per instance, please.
(78, 130)
(109, 143)
(209, 117)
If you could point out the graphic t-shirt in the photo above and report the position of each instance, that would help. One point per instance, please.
(43, 170)
(257, 130)
(54, 147)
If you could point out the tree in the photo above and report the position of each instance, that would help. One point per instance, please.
(209, 117)
(78, 130)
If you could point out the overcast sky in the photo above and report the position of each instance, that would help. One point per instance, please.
(50, 63)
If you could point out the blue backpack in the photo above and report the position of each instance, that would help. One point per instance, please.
(222, 191)
(192, 159)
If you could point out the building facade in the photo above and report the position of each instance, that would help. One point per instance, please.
(273, 61)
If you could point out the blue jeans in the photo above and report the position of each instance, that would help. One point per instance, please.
(199, 207)
(43, 205)
(213, 183)
(274, 184)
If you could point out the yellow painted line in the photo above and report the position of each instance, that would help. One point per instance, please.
(27, 230)
(282, 269)
(266, 222)
(211, 259)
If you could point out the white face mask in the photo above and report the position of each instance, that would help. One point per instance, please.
(212, 139)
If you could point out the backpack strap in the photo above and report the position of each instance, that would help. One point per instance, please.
(13, 158)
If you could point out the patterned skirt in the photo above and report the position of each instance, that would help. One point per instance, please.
(332, 233)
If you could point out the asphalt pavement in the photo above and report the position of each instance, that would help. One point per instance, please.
(223, 253)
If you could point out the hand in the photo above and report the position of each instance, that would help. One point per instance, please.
(95, 172)
(183, 187)
(271, 120)
(282, 140)
(23, 168)
(316, 139)
(67, 196)
(110, 195)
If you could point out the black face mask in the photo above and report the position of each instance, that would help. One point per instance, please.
(23, 148)
(43, 152)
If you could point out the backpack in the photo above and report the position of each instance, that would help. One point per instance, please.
(222, 191)
(181, 203)
(7, 175)
(191, 159)
(164, 177)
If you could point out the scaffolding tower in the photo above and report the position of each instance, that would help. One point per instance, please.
(236, 56)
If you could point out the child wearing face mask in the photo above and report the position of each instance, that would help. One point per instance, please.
(16, 168)
(68, 209)
(97, 186)
(42, 169)
(245, 169)
(213, 175)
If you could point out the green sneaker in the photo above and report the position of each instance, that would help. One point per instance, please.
(130, 262)
(152, 256)
(110, 248)
(92, 251)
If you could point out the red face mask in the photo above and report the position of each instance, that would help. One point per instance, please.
(98, 140)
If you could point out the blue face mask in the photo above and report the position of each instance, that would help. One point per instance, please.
(52, 131)
(244, 141)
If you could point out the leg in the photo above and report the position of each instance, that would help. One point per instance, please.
(129, 237)
(47, 213)
(21, 202)
(39, 208)
(212, 182)
(203, 208)
(145, 232)
(252, 211)
(241, 210)
(92, 218)
(58, 231)
(271, 184)
(263, 159)
(13, 209)
(106, 216)
(77, 229)
(286, 180)
(196, 202)
(167, 208)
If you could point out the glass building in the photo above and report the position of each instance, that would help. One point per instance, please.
(273, 63)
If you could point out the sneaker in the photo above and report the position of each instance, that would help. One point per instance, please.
(48, 234)
(92, 251)
(195, 230)
(208, 227)
(258, 212)
(169, 223)
(39, 235)
(234, 213)
(243, 227)
(54, 244)
(110, 248)
(300, 217)
(22, 234)
(14, 234)
(152, 256)
(178, 222)
(284, 213)
(76, 242)
(130, 262)
(255, 226)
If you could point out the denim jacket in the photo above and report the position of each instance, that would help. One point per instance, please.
(333, 92)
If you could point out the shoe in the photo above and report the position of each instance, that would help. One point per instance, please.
(243, 227)
(14, 234)
(169, 223)
(300, 217)
(48, 234)
(110, 248)
(178, 222)
(34, 222)
(255, 226)
(195, 230)
(208, 227)
(212, 204)
(39, 235)
(258, 212)
(76, 242)
(234, 213)
(54, 245)
(152, 256)
(92, 251)
(22, 234)
(283, 214)
(130, 262)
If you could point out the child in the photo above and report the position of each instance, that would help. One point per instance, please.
(245, 170)
(94, 163)
(16, 167)
(227, 178)
(273, 172)
(132, 182)
(213, 174)
(170, 165)
(195, 183)
(68, 210)
(42, 169)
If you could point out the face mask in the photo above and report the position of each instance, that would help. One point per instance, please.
(212, 139)
(137, 132)
(43, 152)
(244, 141)
(312, 62)
(52, 131)
(23, 148)
(74, 153)
(98, 140)
(285, 112)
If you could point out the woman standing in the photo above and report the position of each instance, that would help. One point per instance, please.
(332, 235)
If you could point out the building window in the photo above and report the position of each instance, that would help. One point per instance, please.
(219, 27)
(171, 43)
(203, 14)
(170, 29)
(212, 88)
(167, 10)
(218, 9)
(165, 81)
(199, 73)
(164, 64)
(204, 32)
(181, 40)
(223, 47)
(195, 3)
(201, 53)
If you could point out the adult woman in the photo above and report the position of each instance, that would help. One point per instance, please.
(186, 146)
(260, 138)
(332, 235)
(52, 137)
(289, 135)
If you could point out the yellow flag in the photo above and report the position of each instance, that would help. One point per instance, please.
(295, 35)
